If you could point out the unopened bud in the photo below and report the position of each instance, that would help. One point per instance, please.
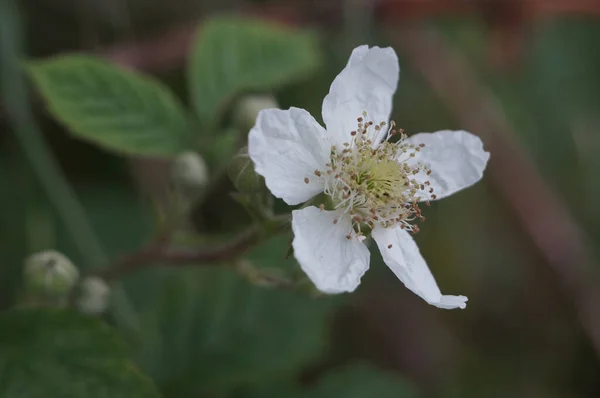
(242, 175)
(94, 296)
(189, 172)
(247, 109)
(50, 272)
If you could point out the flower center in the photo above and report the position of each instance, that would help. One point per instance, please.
(376, 185)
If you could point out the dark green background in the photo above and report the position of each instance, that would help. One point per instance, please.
(210, 333)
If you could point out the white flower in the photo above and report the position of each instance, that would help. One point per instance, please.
(370, 180)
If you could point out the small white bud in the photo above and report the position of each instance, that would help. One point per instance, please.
(50, 272)
(248, 107)
(94, 296)
(189, 172)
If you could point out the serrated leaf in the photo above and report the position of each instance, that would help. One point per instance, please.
(120, 110)
(56, 353)
(208, 330)
(231, 55)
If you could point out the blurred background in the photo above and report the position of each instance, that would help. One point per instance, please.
(524, 75)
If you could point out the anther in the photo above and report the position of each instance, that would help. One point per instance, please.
(389, 246)
(317, 173)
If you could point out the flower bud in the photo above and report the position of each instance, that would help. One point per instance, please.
(242, 175)
(94, 296)
(51, 273)
(247, 109)
(189, 172)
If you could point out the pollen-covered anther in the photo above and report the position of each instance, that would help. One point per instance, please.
(375, 184)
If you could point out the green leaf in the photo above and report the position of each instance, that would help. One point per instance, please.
(359, 381)
(208, 330)
(56, 353)
(120, 110)
(232, 55)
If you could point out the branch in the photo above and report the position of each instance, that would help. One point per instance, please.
(160, 252)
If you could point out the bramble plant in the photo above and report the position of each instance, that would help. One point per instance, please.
(218, 319)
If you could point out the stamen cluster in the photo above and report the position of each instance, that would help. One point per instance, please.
(375, 184)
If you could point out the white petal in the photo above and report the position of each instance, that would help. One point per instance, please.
(401, 254)
(287, 147)
(333, 262)
(367, 83)
(456, 158)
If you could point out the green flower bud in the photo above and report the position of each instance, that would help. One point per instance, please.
(247, 108)
(189, 172)
(94, 296)
(242, 175)
(51, 273)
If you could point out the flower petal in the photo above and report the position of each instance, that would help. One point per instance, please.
(287, 146)
(333, 262)
(401, 254)
(456, 158)
(367, 83)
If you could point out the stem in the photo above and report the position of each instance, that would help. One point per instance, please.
(159, 253)
(38, 154)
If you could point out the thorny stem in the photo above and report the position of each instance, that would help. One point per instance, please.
(160, 251)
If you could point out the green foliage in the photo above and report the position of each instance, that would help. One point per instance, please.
(352, 381)
(564, 101)
(117, 109)
(208, 330)
(360, 381)
(55, 353)
(231, 55)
